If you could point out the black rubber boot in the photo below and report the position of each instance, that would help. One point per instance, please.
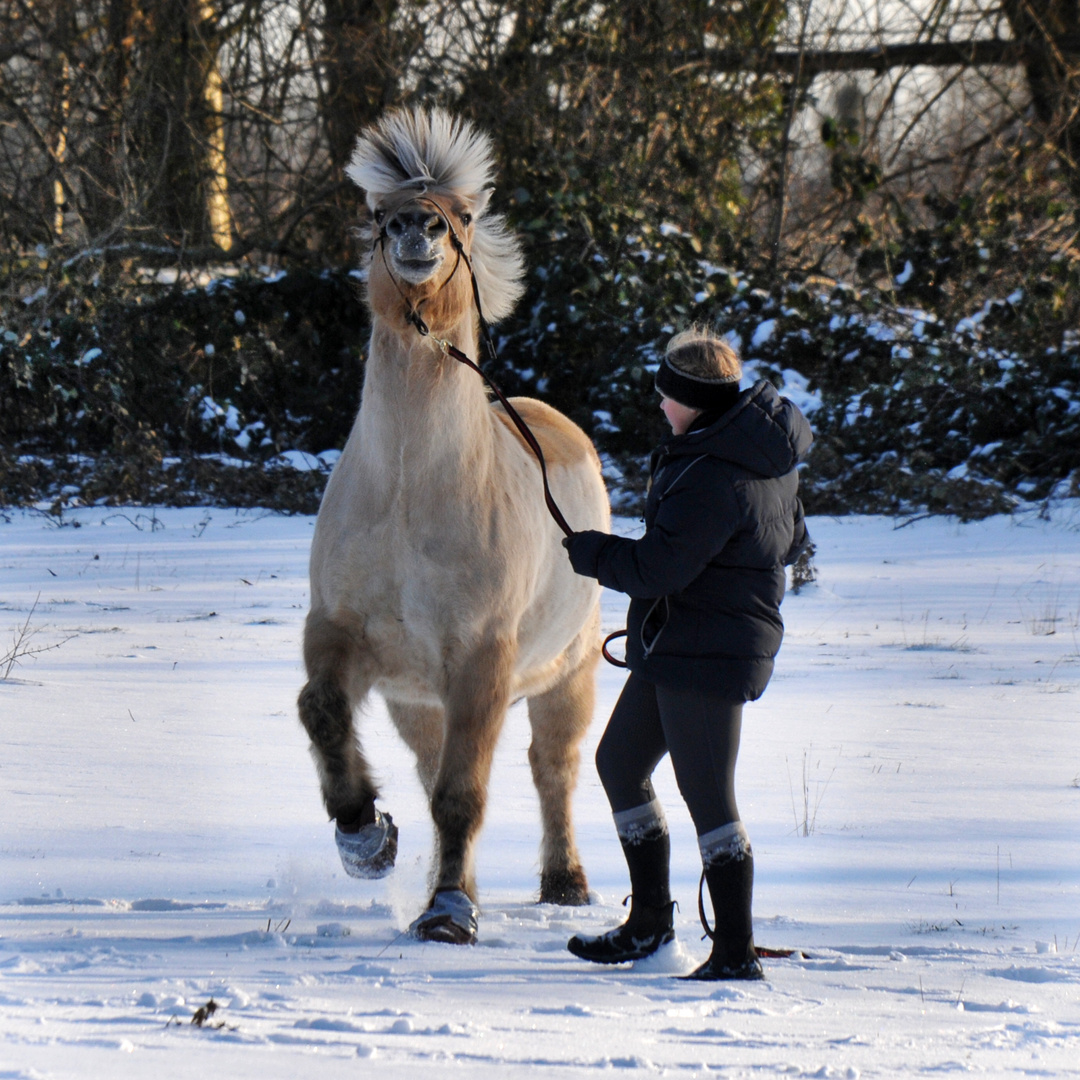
(731, 888)
(641, 935)
(651, 922)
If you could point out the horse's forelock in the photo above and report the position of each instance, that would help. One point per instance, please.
(413, 147)
(439, 154)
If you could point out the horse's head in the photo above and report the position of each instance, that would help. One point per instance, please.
(428, 179)
(421, 234)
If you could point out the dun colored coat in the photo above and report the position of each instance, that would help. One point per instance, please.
(437, 577)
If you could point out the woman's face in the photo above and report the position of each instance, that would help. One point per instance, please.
(680, 417)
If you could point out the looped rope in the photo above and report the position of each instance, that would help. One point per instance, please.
(613, 660)
(415, 319)
(709, 933)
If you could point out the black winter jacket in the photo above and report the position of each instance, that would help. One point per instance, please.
(722, 519)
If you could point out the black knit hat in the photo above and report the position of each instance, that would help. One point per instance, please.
(695, 391)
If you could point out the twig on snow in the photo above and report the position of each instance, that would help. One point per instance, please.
(21, 644)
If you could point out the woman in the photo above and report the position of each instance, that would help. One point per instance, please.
(722, 519)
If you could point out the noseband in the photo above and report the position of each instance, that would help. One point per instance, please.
(413, 317)
(412, 313)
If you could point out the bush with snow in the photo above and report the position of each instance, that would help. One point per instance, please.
(155, 393)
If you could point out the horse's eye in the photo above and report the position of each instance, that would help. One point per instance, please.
(466, 220)
(379, 215)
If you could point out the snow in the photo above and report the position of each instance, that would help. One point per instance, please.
(763, 333)
(300, 460)
(210, 410)
(910, 781)
(796, 389)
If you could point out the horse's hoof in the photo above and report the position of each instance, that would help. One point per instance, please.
(452, 918)
(567, 887)
(370, 852)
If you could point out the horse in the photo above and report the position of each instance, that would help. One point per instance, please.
(438, 579)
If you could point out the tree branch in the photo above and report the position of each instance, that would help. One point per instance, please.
(977, 53)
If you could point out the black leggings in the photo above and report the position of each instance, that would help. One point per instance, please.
(700, 732)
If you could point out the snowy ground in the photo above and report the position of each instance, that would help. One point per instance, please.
(911, 782)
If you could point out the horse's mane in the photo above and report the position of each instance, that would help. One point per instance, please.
(432, 152)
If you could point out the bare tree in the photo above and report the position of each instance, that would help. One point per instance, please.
(221, 127)
(900, 102)
(365, 45)
(1050, 33)
(118, 107)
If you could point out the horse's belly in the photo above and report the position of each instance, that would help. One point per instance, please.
(408, 690)
(553, 621)
(405, 659)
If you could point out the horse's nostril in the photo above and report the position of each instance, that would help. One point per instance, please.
(393, 227)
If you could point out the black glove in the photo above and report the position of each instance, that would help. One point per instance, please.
(584, 549)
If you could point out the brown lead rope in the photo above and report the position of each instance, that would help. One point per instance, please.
(417, 321)
(449, 349)
(613, 660)
(710, 931)
(526, 433)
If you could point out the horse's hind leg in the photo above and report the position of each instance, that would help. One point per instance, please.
(421, 726)
(366, 839)
(559, 719)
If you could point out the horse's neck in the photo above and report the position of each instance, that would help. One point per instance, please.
(425, 422)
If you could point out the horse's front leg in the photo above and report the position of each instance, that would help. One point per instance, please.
(337, 683)
(477, 698)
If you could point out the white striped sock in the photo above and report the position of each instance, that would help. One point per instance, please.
(641, 822)
(730, 841)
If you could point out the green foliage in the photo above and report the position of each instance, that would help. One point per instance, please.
(621, 153)
(949, 379)
(913, 409)
(608, 286)
(922, 413)
(1015, 229)
(851, 171)
(928, 399)
(614, 103)
(150, 383)
(918, 408)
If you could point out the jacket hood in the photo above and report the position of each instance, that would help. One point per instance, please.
(762, 432)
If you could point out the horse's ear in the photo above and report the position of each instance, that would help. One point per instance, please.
(481, 199)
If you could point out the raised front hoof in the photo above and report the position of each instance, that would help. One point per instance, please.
(370, 852)
(566, 887)
(452, 918)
